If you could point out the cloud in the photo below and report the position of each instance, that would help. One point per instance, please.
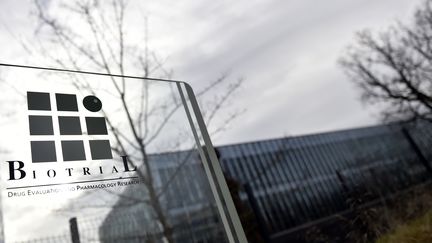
(286, 50)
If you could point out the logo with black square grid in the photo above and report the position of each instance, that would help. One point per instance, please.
(69, 123)
(59, 132)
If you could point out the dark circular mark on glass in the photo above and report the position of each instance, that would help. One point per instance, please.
(92, 103)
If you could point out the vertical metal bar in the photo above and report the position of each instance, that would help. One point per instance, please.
(303, 188)
(260, 186)
(307, 177)
(273, 179)
(262, 226)
(331, 158)
(280, 185)
(233, 163)
(308, 154)
(337, 156)
(349, 149)
(416, 149)
(390, 146)
(249, 178)
(340, 145)
(320, 166)
(267, 186)
(299, 191)
(73, 225)
(326, 164)
(296, 201)
(342, 181)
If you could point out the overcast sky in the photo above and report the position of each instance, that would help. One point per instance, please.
(285, 49)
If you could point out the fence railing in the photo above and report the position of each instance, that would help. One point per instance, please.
(297, 180)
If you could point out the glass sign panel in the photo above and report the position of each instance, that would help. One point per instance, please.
(91, 157)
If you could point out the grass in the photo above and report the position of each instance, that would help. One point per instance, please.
(416, 231)
(404, 218)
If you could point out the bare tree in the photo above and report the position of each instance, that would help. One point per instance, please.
(394, 68)
(100, 42)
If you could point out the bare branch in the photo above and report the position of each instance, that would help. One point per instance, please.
(395, 67)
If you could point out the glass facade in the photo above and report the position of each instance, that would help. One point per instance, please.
(296, 180)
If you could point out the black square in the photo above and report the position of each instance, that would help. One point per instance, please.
(66, 102)
(41, 125)
(38, 101)
(73, 150)
(69, 125)
(43, 151)
(96, 126)
(100, 149)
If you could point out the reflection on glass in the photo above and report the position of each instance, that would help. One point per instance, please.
(107, 159)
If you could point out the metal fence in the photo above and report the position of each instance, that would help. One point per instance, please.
(87, 230)
(295, 180)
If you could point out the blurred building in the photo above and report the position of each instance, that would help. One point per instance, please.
(293, 180)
